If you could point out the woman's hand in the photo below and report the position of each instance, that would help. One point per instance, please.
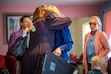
(57, 51)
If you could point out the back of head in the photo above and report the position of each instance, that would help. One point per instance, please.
(53, 10)
(98, 21)
(98, 61)
(39, 12)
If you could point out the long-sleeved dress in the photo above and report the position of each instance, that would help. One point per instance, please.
(42, 40)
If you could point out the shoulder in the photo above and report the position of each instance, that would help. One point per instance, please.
(17, 33)
(57, 18)
(13, 34)
(65, 28)
(101, 33)
(64, 19)
(86, 37)
(38, 20)
(87, 34)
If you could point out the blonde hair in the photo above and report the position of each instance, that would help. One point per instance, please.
(53, 10)
(98, 61)
(38, 13)
(98, 21)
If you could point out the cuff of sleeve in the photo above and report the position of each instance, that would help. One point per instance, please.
(24, 33)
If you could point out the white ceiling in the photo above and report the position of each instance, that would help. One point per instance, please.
(51, 2)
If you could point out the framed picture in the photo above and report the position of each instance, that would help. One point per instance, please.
(12, 23)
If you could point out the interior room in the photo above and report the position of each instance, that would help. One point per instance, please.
(78, 10)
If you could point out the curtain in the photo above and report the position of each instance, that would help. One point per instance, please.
(107, 22)
(107, 25)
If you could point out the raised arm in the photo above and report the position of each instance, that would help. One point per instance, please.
(58, 23)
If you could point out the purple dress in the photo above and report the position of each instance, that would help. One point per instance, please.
(42, 40)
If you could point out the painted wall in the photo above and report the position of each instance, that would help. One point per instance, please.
(69, 10)
(77, 33)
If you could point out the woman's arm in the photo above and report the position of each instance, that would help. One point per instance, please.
(66, 38)
(57, 23)
(105, 43)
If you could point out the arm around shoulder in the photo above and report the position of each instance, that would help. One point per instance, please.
(59, 23)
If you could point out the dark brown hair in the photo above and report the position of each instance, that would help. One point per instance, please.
(22, 18)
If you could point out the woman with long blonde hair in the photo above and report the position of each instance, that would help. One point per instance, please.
(51, 9)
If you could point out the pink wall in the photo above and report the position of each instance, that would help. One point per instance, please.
(69, 10)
